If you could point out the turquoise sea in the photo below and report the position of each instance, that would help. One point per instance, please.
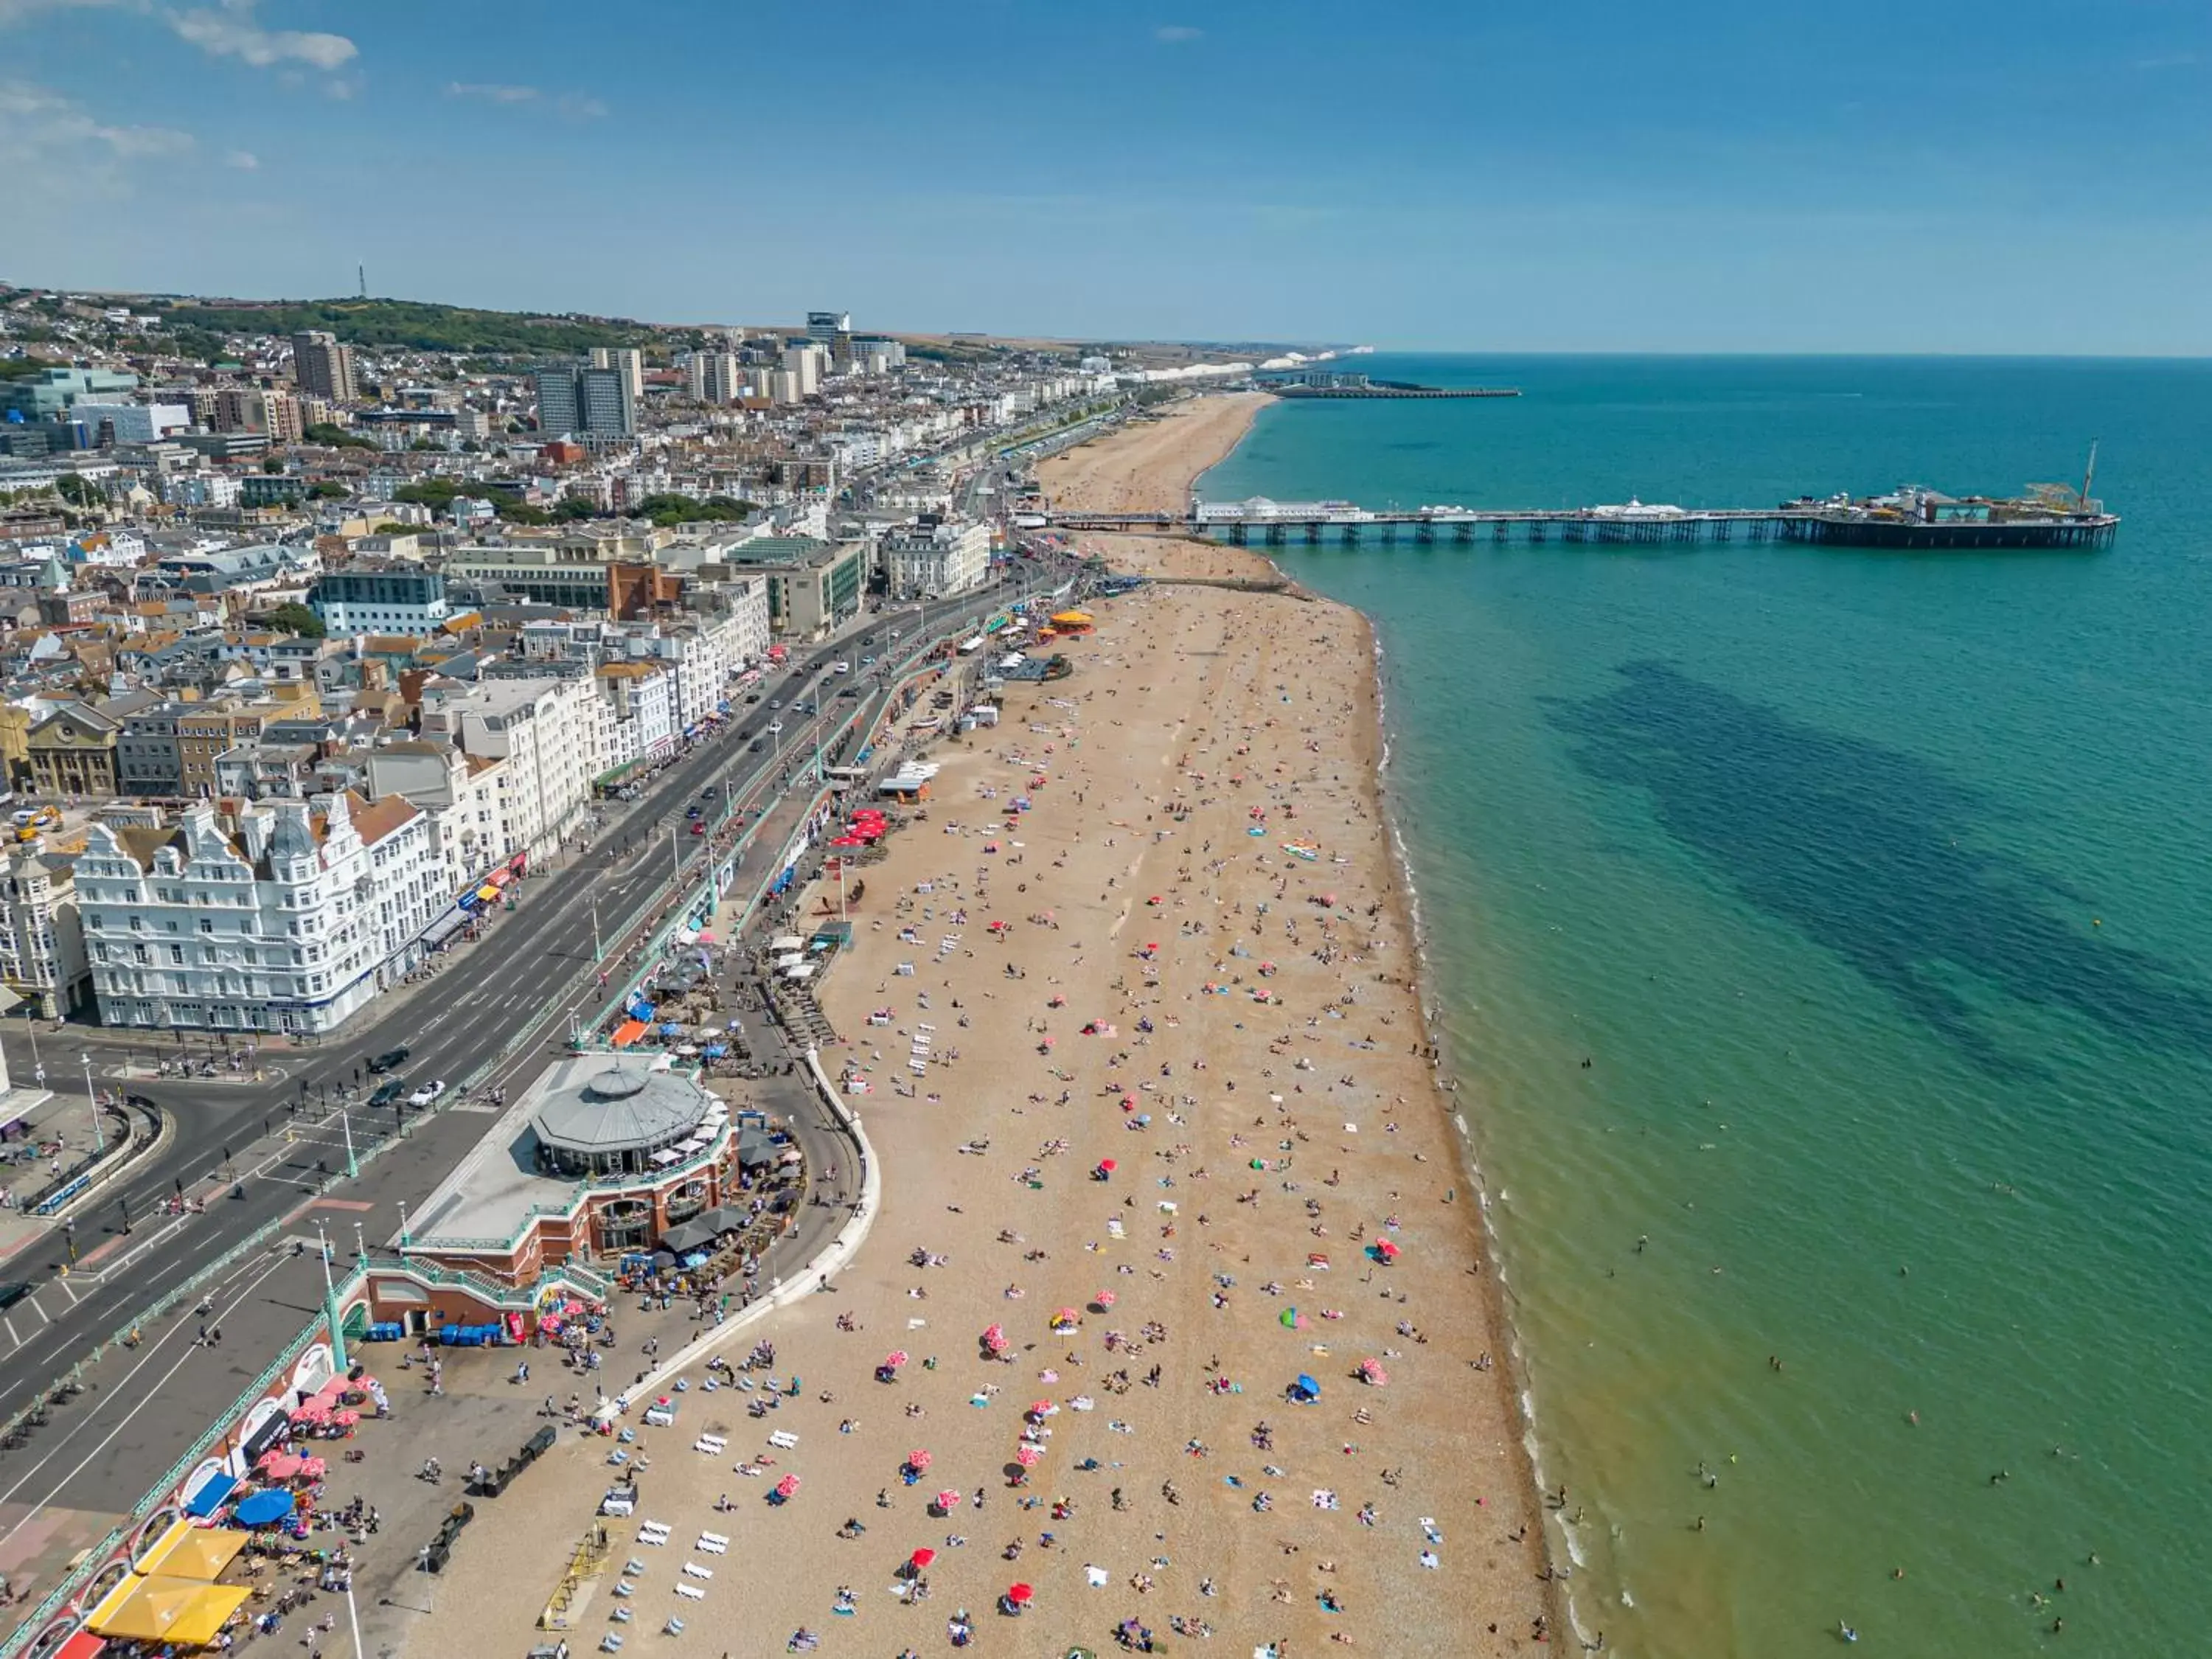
(1874, 888)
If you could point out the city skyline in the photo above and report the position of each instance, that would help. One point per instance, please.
(1971, 180)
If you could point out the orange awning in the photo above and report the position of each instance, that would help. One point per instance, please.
(628, 1032)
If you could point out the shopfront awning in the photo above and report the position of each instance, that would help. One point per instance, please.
(487, 893)
(207, 1496)
(444, 928)
(82, 1645)
(629, 1031)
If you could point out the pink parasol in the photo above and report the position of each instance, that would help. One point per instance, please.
(918, 1459)
(1028, 1456)
(787, 1487)
(1372, 1370)
(894, 1359)
(1105, 1298)
(1386, 1249)
(1067, 1316)
(948, 1499)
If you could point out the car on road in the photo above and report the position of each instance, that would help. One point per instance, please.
(692, 812)
(699, 826)
(387, 1092)
(775, 703)
(13, 1293)
(757, 744)
(390, 1061)
(841, 668)
(429, 1092)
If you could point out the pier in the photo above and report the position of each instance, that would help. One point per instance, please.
(1276, 523)
(1333, 383)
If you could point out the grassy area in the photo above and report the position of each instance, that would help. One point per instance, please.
(415, 324)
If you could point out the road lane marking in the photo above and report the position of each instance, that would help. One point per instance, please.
(12, 1337)
(120, 1388)
(42, 1312)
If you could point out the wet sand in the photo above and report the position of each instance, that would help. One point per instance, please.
(1275, 1126)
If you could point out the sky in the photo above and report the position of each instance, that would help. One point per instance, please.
(2008, 176)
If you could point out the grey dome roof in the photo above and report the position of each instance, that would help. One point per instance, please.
(626, 1105)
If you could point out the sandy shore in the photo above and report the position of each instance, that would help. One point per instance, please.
(1205, 854)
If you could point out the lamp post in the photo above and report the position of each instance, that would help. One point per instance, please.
(598, 951)
(345, 1122)
(403, 1226)
(92, 1098)
(330, 1304)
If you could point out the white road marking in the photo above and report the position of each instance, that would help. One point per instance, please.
(12, 1337)
(42, 1312)
(151, 1394)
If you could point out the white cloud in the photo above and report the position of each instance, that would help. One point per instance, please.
(229, 30)
(1174, 34)
(244, 160)
(490, 92)
(578, 107)
(55, 144)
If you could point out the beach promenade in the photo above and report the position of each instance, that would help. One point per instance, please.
(1178, 1141)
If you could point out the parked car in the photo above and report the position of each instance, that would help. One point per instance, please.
(13, 1293)
(390, 1061)
(429, 1092)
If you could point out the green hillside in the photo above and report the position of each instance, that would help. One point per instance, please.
(414, 323)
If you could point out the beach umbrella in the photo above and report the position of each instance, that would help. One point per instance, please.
(894, 1359)
(1106, 1299)
(994, 1337)
(948, 1499)
(918, 1459)
(1109, 1166)
(1372, 1370)
(1041, 1408)
(1028, 1456)
(1020, 1594)
(1386, 1250)
(1067, 1319)
(787, 1487)
(921, 1559)
(264, 1508)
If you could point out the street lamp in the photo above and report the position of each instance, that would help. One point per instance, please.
(92, 1096)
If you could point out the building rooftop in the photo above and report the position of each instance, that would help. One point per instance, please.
(620, 1105)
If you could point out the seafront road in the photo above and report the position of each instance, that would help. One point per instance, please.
(141, 1407)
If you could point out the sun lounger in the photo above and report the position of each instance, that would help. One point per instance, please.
(712, 1444)
(693, 1570)
(783, 1439)
(692, 1591)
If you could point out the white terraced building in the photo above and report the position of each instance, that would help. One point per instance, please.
(281, 916)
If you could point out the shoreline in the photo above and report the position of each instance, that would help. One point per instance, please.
(1246, 721)
(1516, 1387)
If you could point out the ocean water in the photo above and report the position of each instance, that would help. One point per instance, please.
(1872, 888)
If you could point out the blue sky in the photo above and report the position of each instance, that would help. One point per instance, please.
(1953, 175)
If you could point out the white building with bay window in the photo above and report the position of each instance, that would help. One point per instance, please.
(278, 916)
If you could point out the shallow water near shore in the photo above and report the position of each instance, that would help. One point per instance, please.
(1871, 887)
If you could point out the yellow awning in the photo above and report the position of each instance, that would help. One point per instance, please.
(188, 1552)
(179, 1610)
(487, 892)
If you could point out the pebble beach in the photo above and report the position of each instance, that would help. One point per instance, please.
(1178, 1240)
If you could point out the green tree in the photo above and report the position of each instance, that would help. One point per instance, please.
(328, 489)
(77, 491)
(292, 617)
(324, 432)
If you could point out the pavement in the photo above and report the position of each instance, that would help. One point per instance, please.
(243, 1157)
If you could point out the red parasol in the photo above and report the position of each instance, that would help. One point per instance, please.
(1109, 1166)
(921, 1559)
(787, 1487)
(1067, 1316)
(1020, 1594)
(894, 1359)
(1041, 1408)
(1386, 1249)
(918, 1459)
(948, 1499)
(1105, 1298)
(1028, 1456)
